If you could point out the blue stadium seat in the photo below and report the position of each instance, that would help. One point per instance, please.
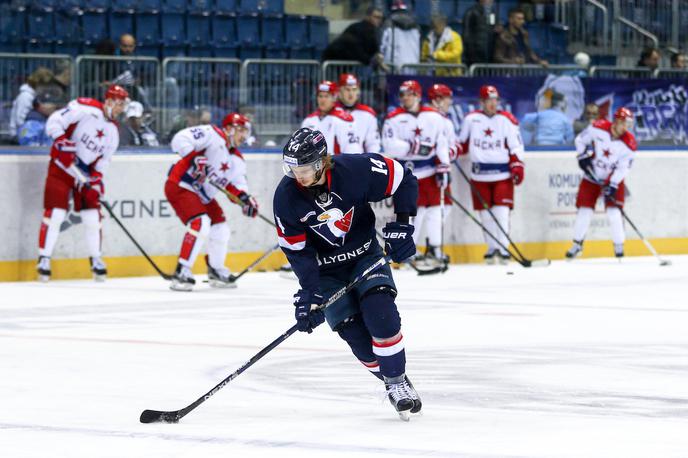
(69, 5)
(40, 48)
(172, 51)
(147, 29)
(301, 53)
(226, 6)
(249, 6)
(123, 5)
(319, 32)
(43, 5)
(200, 6)
(422, 11)
(198, 30)
(250, 52)
(271, 31)
(148, 50)
(228, 52)
(224, 30)
(503, 8)
(12, 25)
(73, 49)
(96, 5)
(149, 6)
(41, 27)
(448, 8)
(296, 30)
(462, 7)
(201, 51)
(248, 29)
(173, 30)
(276, 53)
(93, 27)
(120, 23)
(67, 28)
(273, 7)
(174, 6)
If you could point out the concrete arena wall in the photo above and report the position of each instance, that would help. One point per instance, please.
(542, 223)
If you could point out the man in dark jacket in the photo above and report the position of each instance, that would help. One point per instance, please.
(513, 45)
(479, 28)
(360, 41)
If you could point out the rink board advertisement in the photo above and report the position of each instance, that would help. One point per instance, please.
(542, 220)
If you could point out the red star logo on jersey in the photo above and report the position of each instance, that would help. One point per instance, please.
(488, 132)
(417, 131)
(224, 167)
(100, 133)
(606, 153)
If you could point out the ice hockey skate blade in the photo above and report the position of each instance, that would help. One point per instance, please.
(405, 415)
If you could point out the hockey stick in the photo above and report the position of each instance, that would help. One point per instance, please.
(525, 262)
(76, 173)
(662, 261)
(419, 271)
(445, 266)
(237, 201)
(233, 278)
(173, 416)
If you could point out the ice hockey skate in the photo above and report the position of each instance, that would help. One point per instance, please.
(575, 250)
(43, 268)
(98, 268)
(183, 279)
(403, 396)
(220, 278)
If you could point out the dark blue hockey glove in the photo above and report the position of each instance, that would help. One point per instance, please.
(585, 163)
(308, 319)
(610, 193)
(399, 243)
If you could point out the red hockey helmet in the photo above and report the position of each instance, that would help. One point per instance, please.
(327, 86)
(116, 92)
(411, 86)
(348, 79)
(623, 113)
(236, 120)
(488, 92)
(438, 91)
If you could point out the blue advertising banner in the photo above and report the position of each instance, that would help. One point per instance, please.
(660, 106)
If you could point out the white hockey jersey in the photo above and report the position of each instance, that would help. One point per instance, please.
(612, 157)
(207, 158)
(338, 128)
(84, 123)
(489, 141)
(365, 127)
(402, 129)
(451, 138)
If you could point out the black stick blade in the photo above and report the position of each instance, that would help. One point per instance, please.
(156, 416)
(432, 271)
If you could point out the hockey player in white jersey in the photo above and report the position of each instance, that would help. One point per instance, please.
(441, 98)
(492, 140)
(85, 137)
(605, 153)
(366, 131)
(334, 123)
(416, 136)
(209, 158)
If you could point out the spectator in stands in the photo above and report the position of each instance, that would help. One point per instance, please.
(400, 38)
(32, 131)
(134, 131)
(513, 45)
(360, 41)
(550, 126)
(480, 26)
(679, 61)
(590, 113)
(443, 46)
(24, 102)
(649, 58)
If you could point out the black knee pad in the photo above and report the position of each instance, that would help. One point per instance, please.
(380, 313)
(354, 332)
(382, 289)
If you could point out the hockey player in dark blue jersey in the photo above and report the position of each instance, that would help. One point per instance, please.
(326, 228)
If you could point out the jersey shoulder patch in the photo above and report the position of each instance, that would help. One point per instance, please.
(366, 108)
(90, 102)
(341, 114)
(603, 124)
(396, 112)
(509, 116)
(629, 139)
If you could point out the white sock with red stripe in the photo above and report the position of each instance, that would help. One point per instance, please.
(373, 367)
(501, 212)
(218, 238)
(616, 225)
(491, 227)
(196, 232)
(390, 355)
(583, 218)
(50, 229)
(91, 220)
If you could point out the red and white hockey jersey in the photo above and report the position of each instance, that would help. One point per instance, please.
(365, 127)
(84, 123)
(402, 129)
(338, 128)
(207, 158)
(612, 157)
(451, 138)
(489, 141)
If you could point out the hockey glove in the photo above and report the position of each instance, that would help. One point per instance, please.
(249, 205)
(610, 193)
(399, 243)
(308, 316)
(442, 175)
(93, 190)
(63, 151)
(517, 169)
(585, 163)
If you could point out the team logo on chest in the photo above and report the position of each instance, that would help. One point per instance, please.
(333, 225)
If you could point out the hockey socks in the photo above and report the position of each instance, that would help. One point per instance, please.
(583, 218)
(197, 230)
(91, 220)
(354, 332)
(616, 225)
(50, 229)
(382, 320)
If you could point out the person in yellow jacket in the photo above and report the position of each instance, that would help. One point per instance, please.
(444, 46)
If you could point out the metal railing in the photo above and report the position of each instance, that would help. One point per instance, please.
(525, 70)
(670, 73)
(587, 22)
(369, 81)
(632, 36)
(280, 91)
(609, 71)
(434, 69)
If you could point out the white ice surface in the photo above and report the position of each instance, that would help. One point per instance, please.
(574, 360)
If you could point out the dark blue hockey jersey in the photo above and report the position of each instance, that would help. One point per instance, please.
(332, 225)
